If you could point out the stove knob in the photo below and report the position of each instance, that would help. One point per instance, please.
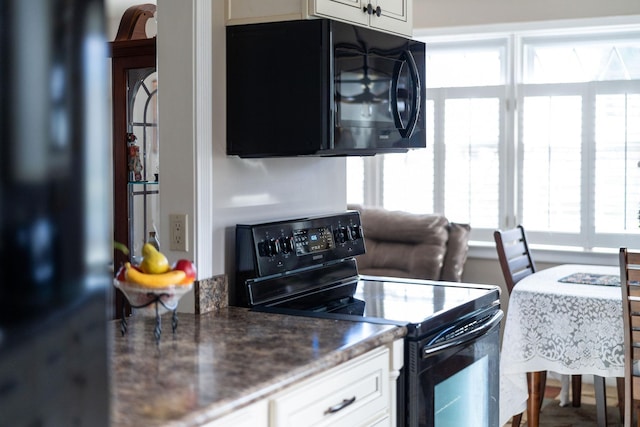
(356, 231)
(274, 244)
(287, 244)
(350, 235)
(264, 249)
(340, 234)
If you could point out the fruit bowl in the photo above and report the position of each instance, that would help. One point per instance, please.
(142, 298)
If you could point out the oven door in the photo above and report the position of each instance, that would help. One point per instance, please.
(455, 380)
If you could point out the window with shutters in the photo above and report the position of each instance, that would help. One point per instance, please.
(540, 130)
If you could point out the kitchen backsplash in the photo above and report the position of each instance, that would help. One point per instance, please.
(211, 294)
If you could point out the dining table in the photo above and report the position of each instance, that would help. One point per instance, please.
(565, 319)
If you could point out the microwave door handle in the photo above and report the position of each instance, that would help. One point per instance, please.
(407, 131)
(415, 102)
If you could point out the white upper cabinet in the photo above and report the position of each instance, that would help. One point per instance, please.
(387, 15)
(392, 16)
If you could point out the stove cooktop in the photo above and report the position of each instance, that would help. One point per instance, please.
(421, 305)
(414, 301)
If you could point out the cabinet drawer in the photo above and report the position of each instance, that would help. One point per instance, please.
(353, 394)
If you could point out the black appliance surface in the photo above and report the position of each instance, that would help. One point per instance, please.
(307, 267)
(422, 306)
(56, 242)
(319, 250)
(325, 88)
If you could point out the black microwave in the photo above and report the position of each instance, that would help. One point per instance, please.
(322, 88)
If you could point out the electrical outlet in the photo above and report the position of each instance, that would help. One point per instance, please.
(178, 232)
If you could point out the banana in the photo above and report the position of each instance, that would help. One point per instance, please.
(173, 277)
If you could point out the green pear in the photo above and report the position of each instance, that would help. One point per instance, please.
(153, 261)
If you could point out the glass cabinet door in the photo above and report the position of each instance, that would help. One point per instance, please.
(142, 159)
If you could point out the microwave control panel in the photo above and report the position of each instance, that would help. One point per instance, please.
(279, 247)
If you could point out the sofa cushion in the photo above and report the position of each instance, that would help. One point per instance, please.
(402, 244)
(457, 250)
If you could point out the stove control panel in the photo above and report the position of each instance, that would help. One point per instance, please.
(285, 246)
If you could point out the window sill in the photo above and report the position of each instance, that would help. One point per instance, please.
(551, 254)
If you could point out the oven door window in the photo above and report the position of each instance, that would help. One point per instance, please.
(458, 387)
(458, 401)
(376, 98)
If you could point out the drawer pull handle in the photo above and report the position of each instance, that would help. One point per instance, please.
(340, 406)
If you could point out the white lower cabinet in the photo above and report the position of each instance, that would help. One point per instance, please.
(254, 415)
(353, 394)
(357, 393)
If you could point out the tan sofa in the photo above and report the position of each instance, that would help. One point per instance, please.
(402, 244)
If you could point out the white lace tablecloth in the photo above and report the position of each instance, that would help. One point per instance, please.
(566, 328)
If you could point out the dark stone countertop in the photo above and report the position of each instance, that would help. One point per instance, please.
(223, 360)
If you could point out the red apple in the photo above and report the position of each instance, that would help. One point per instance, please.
(120, 275)
(188, 268)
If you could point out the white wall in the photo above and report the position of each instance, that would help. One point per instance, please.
(454, 13)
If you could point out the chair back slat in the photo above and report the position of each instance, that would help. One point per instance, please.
(634, 303)
(634, 291)
(515, 249)
(511, 235)
(633, 258)
(633, 276)
(519, 275)
(514, 255)
(519, 263)
(630, 286)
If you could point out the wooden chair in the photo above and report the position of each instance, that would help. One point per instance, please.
(514, 255)
(630, 284)
(517, 263)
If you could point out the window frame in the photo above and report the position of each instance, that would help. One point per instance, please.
(439, 96)
(588, 238)
(588, 246)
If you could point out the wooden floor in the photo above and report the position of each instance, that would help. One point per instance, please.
(553, 415)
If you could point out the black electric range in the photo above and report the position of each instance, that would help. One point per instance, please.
(308, 267)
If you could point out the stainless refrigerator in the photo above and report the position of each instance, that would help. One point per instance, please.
(55, 204)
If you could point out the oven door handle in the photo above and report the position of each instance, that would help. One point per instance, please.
(467, 336)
